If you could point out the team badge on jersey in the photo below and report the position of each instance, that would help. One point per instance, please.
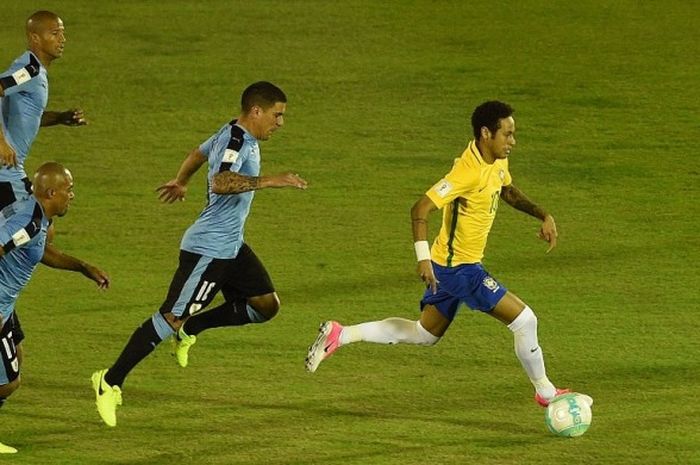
(230, 156)
(21, 237)
(491, 284)
(21, 76)
(443, 188)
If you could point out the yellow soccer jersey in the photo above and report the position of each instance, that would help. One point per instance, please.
(468, 195)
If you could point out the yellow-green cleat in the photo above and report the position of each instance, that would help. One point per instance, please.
(7, 449)
(181, 347)
(107, 398)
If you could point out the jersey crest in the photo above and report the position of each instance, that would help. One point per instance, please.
(22, 75)
(234, 146)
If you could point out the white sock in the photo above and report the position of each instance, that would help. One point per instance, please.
(389, 331)
(529, 353)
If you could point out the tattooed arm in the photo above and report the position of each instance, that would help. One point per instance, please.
(516, 199)
(229, 182)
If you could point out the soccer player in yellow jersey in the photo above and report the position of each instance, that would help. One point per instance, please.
(451, 268)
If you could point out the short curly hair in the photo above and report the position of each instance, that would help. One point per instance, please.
(489, 114)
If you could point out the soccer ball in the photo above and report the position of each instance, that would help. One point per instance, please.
(568, 415)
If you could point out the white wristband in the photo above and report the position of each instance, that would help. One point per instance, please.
(422, 250)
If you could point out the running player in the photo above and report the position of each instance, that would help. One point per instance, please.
(452, 269)
(213, 254)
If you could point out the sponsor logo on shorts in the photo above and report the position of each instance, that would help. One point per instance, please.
(491, 284)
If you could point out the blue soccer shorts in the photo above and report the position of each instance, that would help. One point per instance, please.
(470, 284)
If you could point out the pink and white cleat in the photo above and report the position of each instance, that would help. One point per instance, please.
(545, 402)
(327, 341)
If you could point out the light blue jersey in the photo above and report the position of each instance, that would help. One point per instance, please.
(218, 232)
(26, 89)
(23, 227)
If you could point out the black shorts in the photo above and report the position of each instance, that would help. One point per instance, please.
(7, 192)
(9, 368)
(17, 333)
(199, 278)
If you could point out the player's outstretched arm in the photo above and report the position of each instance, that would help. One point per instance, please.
(57, 259)
(229, 182)
(175, 189)
(72, 117)
(516, 199)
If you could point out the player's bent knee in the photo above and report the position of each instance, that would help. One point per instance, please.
(7, 389)
(263, 308)
(425, 338)
(272, 309)
(525, 321)
(529, 317)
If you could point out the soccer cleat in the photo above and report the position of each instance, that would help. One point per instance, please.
(545, 402)
(327, 341)
(181, 346)
(107, 398)
(7, 449)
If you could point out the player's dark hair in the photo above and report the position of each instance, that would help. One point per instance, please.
(489, 114)
(263, 94)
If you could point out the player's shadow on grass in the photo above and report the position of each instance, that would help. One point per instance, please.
(140, 396)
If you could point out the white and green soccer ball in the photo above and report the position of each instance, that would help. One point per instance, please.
(569, 415)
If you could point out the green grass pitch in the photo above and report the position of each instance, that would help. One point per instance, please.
(380, 94)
